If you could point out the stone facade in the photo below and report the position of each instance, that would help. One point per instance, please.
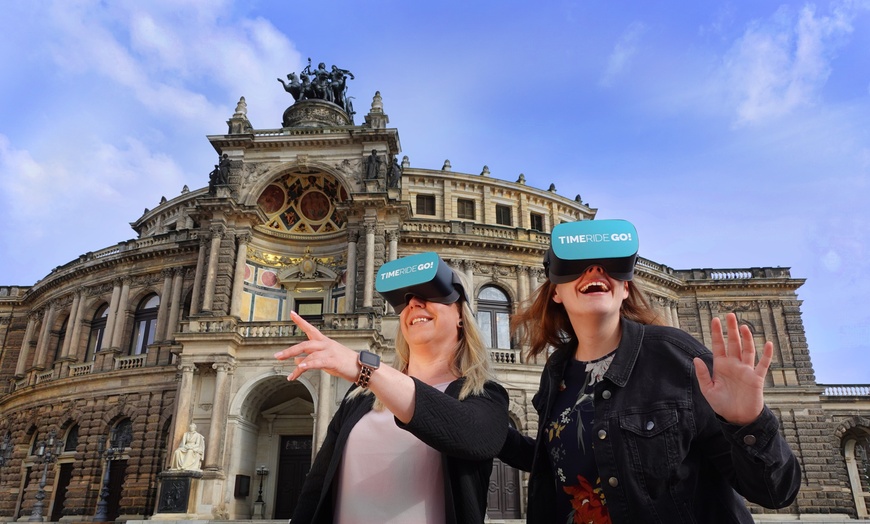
(180, 325)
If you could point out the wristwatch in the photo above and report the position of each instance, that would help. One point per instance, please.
(368, 363)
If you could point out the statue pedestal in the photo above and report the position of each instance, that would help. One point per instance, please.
(259, 511)
(373, 185)
(177, 494)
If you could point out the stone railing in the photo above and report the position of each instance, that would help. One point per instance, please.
(45, 376)
(505, 356)
(846, 390)
(130, 362)
(505, 233)
(78, 370)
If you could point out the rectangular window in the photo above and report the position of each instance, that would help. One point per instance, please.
(426, 204)
(465, 208)
(310, 310)
(537, 221)
(503, 215)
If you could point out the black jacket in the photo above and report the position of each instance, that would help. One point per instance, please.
(468, 433)
(663, 455)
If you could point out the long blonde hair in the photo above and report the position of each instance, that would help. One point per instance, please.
(543, 323)
(470, 358)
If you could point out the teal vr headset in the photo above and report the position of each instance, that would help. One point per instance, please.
(574, 246)
(424, 275)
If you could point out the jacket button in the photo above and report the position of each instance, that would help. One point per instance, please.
(650, 425)
(613, 482)
(605, 394)
(602, 434)
(749, 440)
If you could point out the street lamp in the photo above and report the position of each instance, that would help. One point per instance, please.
(261, 472)
(120, 438)
(46, 453)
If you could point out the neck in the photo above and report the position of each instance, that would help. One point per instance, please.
(596, 336)
(430, 367)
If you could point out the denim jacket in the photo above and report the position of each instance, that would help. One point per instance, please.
(663, 455)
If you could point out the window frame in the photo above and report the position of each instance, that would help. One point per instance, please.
(500, 211)
(424, 201)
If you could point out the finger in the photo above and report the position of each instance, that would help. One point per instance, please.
(748, 350)
(705, 381)
(765, 360)
(295, 350)
(718, 338)
(310, 331)
(734, 349)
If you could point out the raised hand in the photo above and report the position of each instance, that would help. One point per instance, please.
(319, 352)
(736, 389)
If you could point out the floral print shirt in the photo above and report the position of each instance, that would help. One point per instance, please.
(569, 444)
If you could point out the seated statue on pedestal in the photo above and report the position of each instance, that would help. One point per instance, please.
(189, 454)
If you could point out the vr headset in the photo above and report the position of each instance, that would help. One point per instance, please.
(424, 275)
(574, 246)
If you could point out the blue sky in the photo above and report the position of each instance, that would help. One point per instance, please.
(733, 134)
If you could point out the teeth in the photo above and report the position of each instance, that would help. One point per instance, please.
(419, 320)
(601, 286)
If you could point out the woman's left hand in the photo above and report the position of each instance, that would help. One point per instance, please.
(320, 352)
(736, 389)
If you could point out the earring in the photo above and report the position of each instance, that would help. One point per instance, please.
(459, 324)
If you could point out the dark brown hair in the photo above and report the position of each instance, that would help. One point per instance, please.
(544, 323)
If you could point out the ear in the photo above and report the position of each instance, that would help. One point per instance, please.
(625, 290)
(556, 298)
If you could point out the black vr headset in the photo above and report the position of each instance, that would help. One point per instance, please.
(574, 246)
(424, 275)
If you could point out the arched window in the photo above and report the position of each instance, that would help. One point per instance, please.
(144, 325)
(857, 452)
(72, 439)
(493, 317)
(98, 328)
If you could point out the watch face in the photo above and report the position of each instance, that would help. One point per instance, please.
(369, 359)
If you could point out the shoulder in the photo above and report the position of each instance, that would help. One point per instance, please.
(666, 338)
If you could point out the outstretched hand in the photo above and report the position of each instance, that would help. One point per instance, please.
(319, 352)
(736, 389)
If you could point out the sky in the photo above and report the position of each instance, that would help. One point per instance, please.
(732, 134)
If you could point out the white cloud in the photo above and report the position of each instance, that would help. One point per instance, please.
(782, 63)
(623, 52)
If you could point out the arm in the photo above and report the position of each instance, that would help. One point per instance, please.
(518, 450)
(392, 387)
(756, 459)
(471, 429)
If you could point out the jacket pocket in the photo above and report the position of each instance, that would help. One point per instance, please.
(652, 444)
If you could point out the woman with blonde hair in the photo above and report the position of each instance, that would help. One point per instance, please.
(639, 422)
(411, 443)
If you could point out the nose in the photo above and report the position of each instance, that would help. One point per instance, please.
(416, 301)
(594, 268)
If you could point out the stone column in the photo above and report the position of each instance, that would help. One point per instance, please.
(211, 275)
(239, 275)
(675, 314)
(110, 317)
(368, 288)
(534, 274)
(77, 327)
(197, 279)
(522, 283)
(781, 337)
(325, 401)
(163, 309)
(21, 367)
(393, 239)
(219, 408)
(71, 324)
(350, 280)
(468, 270)
(45, 337)
(183, 403)
(121, 314)
(175, 304)
(708, 311)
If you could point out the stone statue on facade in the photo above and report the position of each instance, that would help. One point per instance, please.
(188, 455)
(373, 165)
(220, 175)
(395, 174)
(320, 83)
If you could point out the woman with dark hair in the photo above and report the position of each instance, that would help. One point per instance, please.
(412, 443)
(632, 425)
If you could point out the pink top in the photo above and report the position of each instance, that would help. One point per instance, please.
(388, 475)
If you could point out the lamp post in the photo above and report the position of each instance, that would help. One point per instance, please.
(46, 453)
(109, 453)
(261, 472)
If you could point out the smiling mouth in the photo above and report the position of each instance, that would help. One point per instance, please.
(594, 287)
(419, 320)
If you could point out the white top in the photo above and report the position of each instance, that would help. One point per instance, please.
(388, 475)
